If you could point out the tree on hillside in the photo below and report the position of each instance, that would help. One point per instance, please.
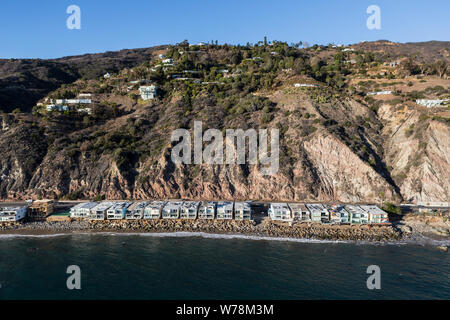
(441, 67)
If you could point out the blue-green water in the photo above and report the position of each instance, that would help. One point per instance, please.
(178, 267)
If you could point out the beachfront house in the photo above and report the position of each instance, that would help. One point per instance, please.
(171, 210)
(189, 209)
(136, 210)
(82, 210)
(280, 212)
(12, 214)
(376, 215)
(299, 212)
(117, 210)
(224, 210)
(99, 211)
(344, 215)
(318, 212)
(153, 210)
(207, 210)
(357, 214)
(242, 211)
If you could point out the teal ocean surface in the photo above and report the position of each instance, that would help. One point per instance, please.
(189, 266)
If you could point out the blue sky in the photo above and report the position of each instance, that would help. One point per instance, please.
(37, 29)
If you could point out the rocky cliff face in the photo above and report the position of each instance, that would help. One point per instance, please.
(322, 164)
(418, 150)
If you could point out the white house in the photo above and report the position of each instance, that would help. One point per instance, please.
(224, 210)
(167, 61)
(242, 211)
(153, 210)
(82, 210)
(357, 215)
(376, 215)
(335, 213)
(171, 210)
(53, 107)
(136, 210)
(99, 211)
(280, 212)
(207, 210)
(318, 212)
(11, 214)
(74, 101)
(189, 209)
(431, 103)
(107, 75)
(117, 211)
(379, 93)
(148, 92)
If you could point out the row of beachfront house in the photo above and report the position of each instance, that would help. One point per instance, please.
(323, 213)
(162, 209)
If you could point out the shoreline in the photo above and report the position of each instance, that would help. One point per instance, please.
(230, 229)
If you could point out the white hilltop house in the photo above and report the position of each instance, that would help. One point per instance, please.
(107, 75)
(318, 212)
(11, 214)
(136, 210)
(242, 211)
(148, 92)
(82, 210)
(224, 210)
(117, 211)
(153, 210)
(299, 212)
(56, 107)
(207, 210)
(379, 93)
(74, 101)
(189, 209)
(99, 211)
(431, 103)
(280, 212)
(305, 85)
(171, 210)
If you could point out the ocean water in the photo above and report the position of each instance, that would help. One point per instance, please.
(197, 266)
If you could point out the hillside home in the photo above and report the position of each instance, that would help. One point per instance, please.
(224, 210)
(357, 215)
(431, 103)
(153, 210)
(148, 92)
(242, 211)
(318, 213)
(54, 107)
(171, 210)
(117, 211)
(11, 214)
(305, 85)
(99, 211)
(74, 101)
(107, 75)
(189, 209)
(84, 95)
(207, 210)
(378, 93)
(376, 215)
(280, 212)
(167, 61)
(82, 210)
(299, 212)
(136, 210)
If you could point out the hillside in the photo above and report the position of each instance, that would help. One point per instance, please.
(337, 142)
